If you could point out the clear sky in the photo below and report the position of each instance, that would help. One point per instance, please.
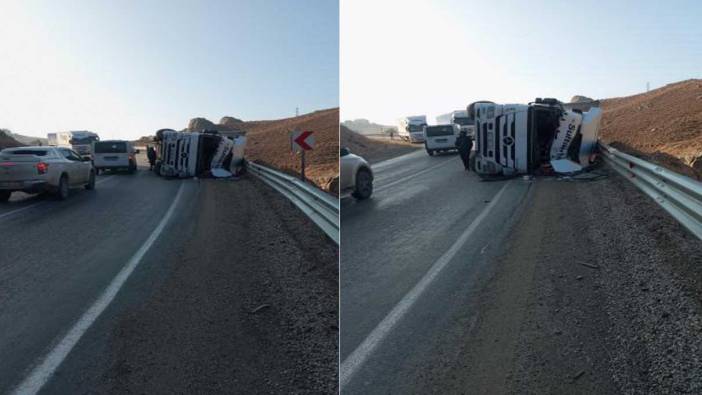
(430, 57)
(127, 68)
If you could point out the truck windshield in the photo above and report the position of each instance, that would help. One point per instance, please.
(83, 140)
(441, 130)
(110, 147)
(416, 128)
(463, 121)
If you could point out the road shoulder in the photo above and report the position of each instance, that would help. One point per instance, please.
(598, 291)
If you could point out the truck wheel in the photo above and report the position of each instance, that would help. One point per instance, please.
(62, 192)
(364, 185)
(91, 182)
(430, 152)
(97, 171)
(5, 196)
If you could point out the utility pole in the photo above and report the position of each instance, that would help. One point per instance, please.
(648, 86)
(297, 111)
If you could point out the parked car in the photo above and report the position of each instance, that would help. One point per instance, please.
(440, 138)
(114, 155)
(356, 175)
(44, 169)
(521, 138)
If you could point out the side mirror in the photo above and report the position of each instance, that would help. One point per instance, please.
(344, 151)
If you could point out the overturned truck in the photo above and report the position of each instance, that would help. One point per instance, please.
(199, 154)
(544, 135)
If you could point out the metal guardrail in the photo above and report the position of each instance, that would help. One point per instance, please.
(679, 195)
(320, 207)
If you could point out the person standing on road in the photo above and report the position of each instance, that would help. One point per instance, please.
(464, 145)
(151, 154)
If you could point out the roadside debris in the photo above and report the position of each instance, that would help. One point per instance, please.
(591, 266)
(578, 375)
(259, 308)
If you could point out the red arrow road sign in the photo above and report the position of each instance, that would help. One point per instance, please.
(304, 140)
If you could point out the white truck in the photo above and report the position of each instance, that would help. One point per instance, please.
(523, 138)
(412, 128)
(81, 141)
(183, 155)
(460, 118)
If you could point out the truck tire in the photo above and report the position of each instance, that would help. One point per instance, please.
(5, 196)
(91, 182)
(430, 152)
(63, 190)
(364, 185)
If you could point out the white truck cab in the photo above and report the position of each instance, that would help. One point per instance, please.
(80, 141)
(460, 118)
(440, 138)
(521, 138)
(411, 128)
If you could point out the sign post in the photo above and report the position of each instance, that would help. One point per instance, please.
(299, 143)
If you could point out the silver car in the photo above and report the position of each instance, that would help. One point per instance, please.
(356, 176)
(43, 169)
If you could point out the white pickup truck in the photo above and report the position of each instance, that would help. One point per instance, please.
(43, 169)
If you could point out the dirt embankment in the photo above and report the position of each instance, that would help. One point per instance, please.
(268, 143)
(373, 150)
(7, 142)
(663, 125)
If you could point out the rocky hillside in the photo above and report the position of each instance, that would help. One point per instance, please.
(6, 141)
(268, 143)
(364, 126)
(29, 140)
(663, 125)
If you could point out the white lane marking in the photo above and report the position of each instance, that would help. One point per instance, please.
(19, 210)
(358, 357)
(419, 173)
(43, 371)
(7, 214)
(103, 179)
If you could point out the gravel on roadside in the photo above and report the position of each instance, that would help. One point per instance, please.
(249, 306)
(598, 290)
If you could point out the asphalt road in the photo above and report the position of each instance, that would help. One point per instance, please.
(550, 285)
(421, 243)
(205, 260)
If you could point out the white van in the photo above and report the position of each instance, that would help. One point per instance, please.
(114, 155)
(440, 138)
